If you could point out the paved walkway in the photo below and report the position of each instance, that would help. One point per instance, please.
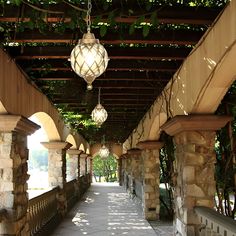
(105, 210)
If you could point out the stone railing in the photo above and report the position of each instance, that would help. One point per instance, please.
(42, 211)
(213, 223)
(71, 193)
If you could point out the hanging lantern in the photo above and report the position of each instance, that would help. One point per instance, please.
(99, 114)
(89, 58)
(104, 152)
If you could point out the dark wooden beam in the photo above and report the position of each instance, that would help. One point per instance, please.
(111, 76)
(114, 53)
(165, 37)
(113, 65)
(165, 14)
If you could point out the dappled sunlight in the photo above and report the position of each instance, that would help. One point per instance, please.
(106, 210)
(89, 200)
(124, 215)
(210, 63)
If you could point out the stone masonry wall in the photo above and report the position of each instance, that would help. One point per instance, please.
(195, 184)
(151, 164)
(13, 186)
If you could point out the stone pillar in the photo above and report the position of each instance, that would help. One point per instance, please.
(74, 154)
(151, 178)
(57, 170)
(83, 168)
(13, 173)
(73, 163)
(89, 167)
(134, 156)
(120, 170)
(194, 137)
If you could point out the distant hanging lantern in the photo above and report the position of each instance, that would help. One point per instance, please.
(99, 114)
(89, 58)
(104, 152)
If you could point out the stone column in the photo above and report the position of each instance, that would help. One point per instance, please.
(120, 170)
(57, 170)
(74, 154)
(151, 178)
(73, 163)
(83, 157)
(13, 173)
(89, 167)
(134, 155)
(194, 137)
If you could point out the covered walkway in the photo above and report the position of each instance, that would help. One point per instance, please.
(106, 209)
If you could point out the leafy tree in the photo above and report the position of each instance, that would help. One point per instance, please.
(106, 168)
(38, 159)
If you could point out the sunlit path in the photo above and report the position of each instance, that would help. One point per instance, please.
(105, 210)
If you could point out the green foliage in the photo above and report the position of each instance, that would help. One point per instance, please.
(105, 168)
(38, 159)
(225, 156)
(167, 174)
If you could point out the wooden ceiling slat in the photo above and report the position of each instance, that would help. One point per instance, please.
(166, 14)
(115, 53)
(113, 65)
(165, 37)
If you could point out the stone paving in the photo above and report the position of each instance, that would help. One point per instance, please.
(105, 210)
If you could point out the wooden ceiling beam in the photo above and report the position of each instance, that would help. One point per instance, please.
(166, 14)
(109, 76)
(164, 37)
(113, 65)
(115, 53)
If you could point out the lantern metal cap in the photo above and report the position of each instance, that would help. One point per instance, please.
(89, 38)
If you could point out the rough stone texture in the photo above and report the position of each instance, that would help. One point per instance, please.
(151, 181)
(13, 186)
(195, 184)
(72, 171)
(82, 164)
(57, 172)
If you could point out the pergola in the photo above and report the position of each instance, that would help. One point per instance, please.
(146, 43)
(171, 64)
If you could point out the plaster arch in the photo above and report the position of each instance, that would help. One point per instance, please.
(48, 125)
(81, 147)
(2, 109)
(202, 80)
(115, 149)
(70, 139)
(158, 121)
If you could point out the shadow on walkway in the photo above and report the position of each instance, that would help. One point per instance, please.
(105, 210)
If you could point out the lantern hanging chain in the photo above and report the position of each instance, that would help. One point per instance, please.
(99, 94)
(88, 17)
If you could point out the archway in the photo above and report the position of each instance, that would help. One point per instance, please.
(38, 160)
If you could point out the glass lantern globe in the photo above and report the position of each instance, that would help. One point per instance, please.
(89, 59)
(99, 114)
(104, 152)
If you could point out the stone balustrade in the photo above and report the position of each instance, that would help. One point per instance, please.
(213, 223)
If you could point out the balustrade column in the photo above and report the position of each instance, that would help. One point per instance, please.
(13, 174)
(194, 137)
(151, 178)
(57, 170)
